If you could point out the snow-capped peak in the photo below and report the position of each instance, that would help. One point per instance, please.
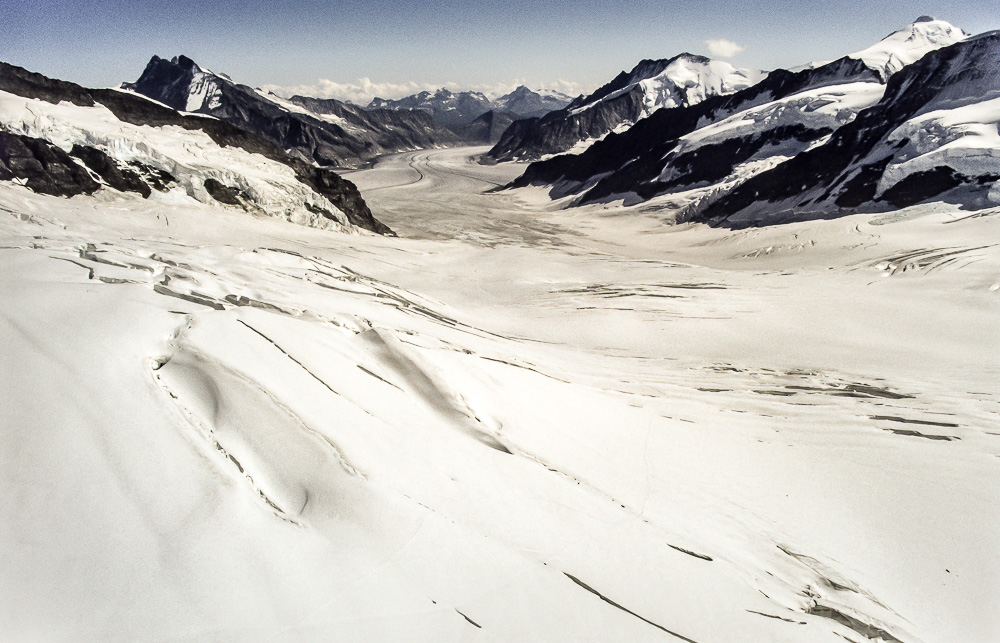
(192, 88)
(686, 79)
(696, 79)
(909, 44)
(526, 102)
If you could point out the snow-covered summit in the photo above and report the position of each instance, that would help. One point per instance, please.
(551, 93)
(683, 80)
(909, 44)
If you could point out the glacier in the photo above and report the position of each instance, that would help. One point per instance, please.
(510, 423)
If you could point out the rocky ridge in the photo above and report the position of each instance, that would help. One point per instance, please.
(69, 158)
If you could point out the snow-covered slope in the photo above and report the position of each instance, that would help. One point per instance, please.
(680, 81)
(651, 85)
(909, 44)
(129, 143)
(191, 158)
(820, 141)
(931, 136)
(963, 139)
(717, 142)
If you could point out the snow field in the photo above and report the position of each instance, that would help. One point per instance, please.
(511, 423)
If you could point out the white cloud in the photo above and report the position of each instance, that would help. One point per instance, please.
(568, 87)
(360, 92)
(723, 48)
(363, 90)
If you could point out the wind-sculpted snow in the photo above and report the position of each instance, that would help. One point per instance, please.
(511, 423)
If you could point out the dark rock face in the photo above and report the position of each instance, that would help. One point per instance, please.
(559, 131)
(166, 81)
(68, 177)
(837, 176)
(390, 130)
(920, 186)
(351, 138)
(486, 129)
(342, 193)
(22, 82)
(223, 193)
(159, 180)
(45, 168)
(123, 179)
(705, 165)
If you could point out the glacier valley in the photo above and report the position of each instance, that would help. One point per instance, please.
(512, 422)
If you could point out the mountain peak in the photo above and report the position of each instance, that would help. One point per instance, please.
(909, 44)
(695, 58)
(183, 62)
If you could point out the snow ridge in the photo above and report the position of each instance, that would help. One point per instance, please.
(909, 44)
(680, 81)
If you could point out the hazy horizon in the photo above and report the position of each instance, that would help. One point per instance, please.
(353, 50)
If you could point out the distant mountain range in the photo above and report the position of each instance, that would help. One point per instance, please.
(332, 133)
(328, 132)
(63, 139)
(461, 108)
(911, 118)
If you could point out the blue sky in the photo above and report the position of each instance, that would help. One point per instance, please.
(574, 45)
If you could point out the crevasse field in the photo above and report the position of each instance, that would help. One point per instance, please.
(511, 423)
